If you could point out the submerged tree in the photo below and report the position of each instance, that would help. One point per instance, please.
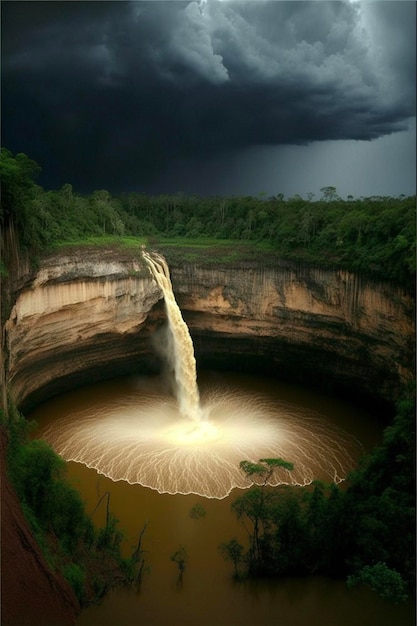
(254, 510)
(136, 564)
(180, 558)
(232, 551)
(197, 511)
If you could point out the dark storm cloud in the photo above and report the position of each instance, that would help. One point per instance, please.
(109, 94)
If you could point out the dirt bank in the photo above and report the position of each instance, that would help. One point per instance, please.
(31, 594)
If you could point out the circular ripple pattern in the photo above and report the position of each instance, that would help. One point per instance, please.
(145, 440)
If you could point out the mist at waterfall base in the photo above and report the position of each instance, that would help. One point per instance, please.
(165, 435)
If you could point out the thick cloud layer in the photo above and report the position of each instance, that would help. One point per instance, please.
(112, 94)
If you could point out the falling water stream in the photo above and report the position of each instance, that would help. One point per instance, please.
(180, 349)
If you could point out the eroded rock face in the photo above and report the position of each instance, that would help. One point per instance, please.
(87, 318)
(81, 319)
(306, 323)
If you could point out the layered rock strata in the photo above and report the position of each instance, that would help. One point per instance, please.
(90, 316)
(82, 318)
(327, 326)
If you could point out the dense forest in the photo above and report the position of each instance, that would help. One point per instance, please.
(374, 235)
(364, 531)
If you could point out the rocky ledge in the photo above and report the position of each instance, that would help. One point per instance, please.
(87, 316)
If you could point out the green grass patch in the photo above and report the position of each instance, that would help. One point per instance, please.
(214, 252)
(102, 241)
(206, 251)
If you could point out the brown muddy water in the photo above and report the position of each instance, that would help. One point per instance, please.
(207, 595)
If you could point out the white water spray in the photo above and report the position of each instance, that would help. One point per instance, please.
(187, 446)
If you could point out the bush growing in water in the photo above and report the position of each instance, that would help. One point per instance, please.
(387, 582)
(179, 557)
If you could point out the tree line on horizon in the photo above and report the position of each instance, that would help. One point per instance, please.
(375, 235)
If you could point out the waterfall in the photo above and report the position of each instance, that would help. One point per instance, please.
(180, 349)
(179, 445)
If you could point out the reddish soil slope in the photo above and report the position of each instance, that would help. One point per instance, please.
(31, 594)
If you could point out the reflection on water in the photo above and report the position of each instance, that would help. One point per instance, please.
(312, 602)
(208, 595)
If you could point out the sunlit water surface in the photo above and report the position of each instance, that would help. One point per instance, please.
(129, 430)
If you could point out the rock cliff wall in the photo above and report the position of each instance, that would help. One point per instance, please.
(305, 323)
(82, 318)
(86, 317)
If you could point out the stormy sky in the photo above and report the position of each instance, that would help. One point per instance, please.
(213, 97)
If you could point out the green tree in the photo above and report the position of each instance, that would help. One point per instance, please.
(387, 582)
(265, 468)
(289, 555)
(380, 501)
(232, 551)
(254, 510)
(35, 469)
(17, 178)
(329, 193)
(105, 208)
(251, 510)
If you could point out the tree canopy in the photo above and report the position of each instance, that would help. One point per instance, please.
(373, 235)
